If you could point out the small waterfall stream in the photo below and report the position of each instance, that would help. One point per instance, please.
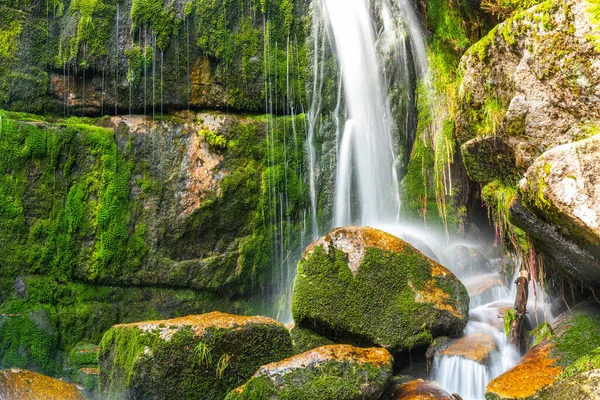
(380, 50)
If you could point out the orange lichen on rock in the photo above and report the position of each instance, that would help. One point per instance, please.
(198, 323)
(376, 356)
(354, 241)
(535, 371)
(202, 175)
(476, 347)
(435, 295)
(21, 384)
(420, 390)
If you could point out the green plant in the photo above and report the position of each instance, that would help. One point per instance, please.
(203, 355)
(509, 317)
(542, 332)
(222, 364)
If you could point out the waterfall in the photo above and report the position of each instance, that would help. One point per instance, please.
(375, 53)
(366, 159)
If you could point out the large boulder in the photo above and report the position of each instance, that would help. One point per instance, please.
(200, 355)
(521, 96)
(21, 384)
(560, 195)
(529, 88)
(333, 372)
(557, 363)
(365, 286)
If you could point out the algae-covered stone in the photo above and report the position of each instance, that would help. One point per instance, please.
(333, 372)
(366, 286)
(21, 384)
(570, 352)
(199, 356)
(304, 339)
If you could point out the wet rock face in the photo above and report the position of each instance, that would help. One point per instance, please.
(209, 354)
(476, 347)
(362, 285)
(339, 372)
(562, 189)
(528, 87)
(145, 56)
(421, 390)
(21, 384)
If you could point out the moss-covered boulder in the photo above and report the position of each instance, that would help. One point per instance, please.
(420, 390)
(304, 339)
(559, 203)
(528, 86)
(554, 364)
(190, 357)
(21, 384)
(366, 286)
(333, 372)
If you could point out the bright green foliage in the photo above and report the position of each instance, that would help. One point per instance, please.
(509, 317)
(542, 332)
(214, 140)
(162, 21)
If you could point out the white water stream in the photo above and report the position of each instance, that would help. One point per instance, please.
(367, 182)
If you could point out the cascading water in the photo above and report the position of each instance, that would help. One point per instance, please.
(380, 51)
(365, 153)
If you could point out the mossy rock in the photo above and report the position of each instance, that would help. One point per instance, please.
(21, 384)
(333, 372)
(304, 339)
(367, 287)
(582, 386)
(184, 358)
(568, 353)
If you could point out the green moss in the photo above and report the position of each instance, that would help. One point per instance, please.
(96, 24)
(134, 362)
(28, 336)
(330, 380)
(588, 362)
(329, 299)
(158, 16)
(581, 337)
(304, 339)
